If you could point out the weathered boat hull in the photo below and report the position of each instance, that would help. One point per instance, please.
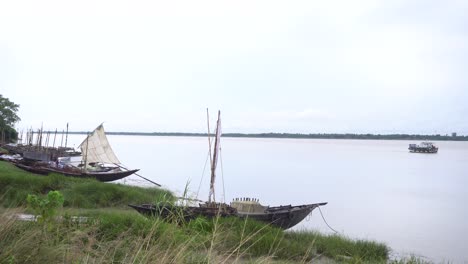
(282, 216)
(32, 169)
(169, 212)
(100, 176)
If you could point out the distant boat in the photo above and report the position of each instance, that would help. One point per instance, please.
(281, 216)
(35, 153)
(424, 147)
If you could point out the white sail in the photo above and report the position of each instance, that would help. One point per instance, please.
(96, 148)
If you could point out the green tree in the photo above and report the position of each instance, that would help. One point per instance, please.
(8, 117)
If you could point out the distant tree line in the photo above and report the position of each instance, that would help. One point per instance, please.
(298, 135)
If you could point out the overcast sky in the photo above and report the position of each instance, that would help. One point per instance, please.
(269, 66)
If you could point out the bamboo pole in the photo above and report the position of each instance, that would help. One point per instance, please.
(38, 137)
(61, 142)
(47, 141)
(66, 138)
(120, 166)
(55, 135)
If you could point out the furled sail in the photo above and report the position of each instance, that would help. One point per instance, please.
(217, 147)
(96, 148)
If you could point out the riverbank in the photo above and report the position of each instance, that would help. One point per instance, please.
(113, 233)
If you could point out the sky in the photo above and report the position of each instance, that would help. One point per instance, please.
(269, 66)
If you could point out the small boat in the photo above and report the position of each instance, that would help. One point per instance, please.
(285, 216)
(424, 147)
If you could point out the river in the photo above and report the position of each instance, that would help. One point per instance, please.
(375, 189)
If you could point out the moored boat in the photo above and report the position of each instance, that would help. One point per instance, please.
(281, 216)
(32, 168)
(103, 176)
(424, 147)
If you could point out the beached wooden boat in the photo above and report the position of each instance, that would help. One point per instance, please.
(98, 161)
(32, 168)
(285, 216)
(281, 216)
(103, 176)
(168, 211)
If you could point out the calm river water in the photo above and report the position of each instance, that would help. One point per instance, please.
(415, 203)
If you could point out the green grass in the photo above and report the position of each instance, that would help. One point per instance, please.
(16, 184)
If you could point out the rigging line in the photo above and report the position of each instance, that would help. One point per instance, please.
(222, 174)
(320, 210)
(203, 173)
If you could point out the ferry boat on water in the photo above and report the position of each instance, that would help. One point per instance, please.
(424, 147)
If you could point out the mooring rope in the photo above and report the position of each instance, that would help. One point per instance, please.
(222, 174)
(320, 210)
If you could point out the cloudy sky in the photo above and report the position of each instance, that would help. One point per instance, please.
(270, 66)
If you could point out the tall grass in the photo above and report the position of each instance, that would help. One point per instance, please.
(127, 237)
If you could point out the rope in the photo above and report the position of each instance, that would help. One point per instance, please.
(203, 173)
(222, 174)
(320, 210)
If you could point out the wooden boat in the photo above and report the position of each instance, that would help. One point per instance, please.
(103, 176)
(170, 211)
(285, 216)
(31, 168)
(424, 147)
(98, 161)
(41, 153)
(281, 216)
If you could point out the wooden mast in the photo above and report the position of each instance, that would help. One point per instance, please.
(86, 154)
(211, 193)
(61, 141)
(66, 138)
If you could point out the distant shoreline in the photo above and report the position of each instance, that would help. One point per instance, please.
(292, 135)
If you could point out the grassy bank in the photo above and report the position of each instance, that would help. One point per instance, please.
(16, 184)
(114, 234)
